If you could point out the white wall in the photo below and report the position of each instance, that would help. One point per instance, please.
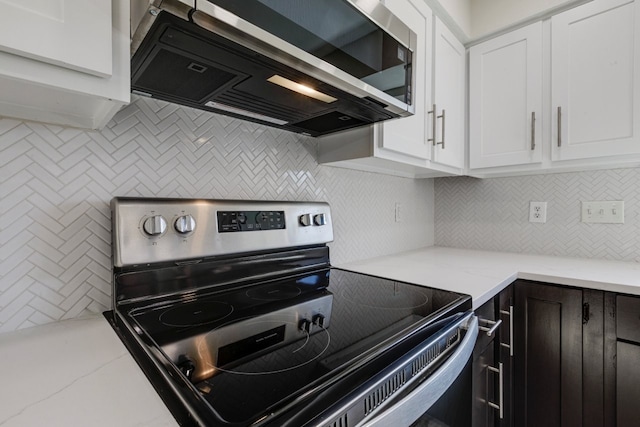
(489, 16)
(471, 20)
(459, 12)
(56, 184)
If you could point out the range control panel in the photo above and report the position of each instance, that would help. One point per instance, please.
(150, 230)
(229, 221)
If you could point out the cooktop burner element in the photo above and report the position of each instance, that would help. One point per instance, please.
(195, 313)
(251, 326)
(274, 292)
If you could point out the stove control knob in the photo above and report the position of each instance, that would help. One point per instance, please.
(305, 220)
(305, 325)
(186, 366)
(319, 219)
(155, 225)
(318, 319)
(185, 224)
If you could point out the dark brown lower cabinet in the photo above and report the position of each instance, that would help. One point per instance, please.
(562, 357)
(548, 363)
(628, 384)
(484, 363)
(484, 386)
(492, 362)
(506, 352)
(627, 368)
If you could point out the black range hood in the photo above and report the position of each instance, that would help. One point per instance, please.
(183, 61)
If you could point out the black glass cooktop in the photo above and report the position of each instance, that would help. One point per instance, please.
(252, 350)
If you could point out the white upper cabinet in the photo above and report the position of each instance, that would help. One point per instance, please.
(595, 81)
(407, 136)
(64, 62)
(406, 146)
(74, 34)
(587, 69)
(505, 99)
(449, 98)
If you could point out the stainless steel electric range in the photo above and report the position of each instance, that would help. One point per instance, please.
(234, 313)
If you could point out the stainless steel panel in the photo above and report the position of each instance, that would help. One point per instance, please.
(405, 411)
(132, 246)
(410, 408)
(215, 19)
(144, 13)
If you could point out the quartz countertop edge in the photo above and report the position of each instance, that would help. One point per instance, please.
(483, 274)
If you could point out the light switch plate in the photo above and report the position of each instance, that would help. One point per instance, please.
(603, 212)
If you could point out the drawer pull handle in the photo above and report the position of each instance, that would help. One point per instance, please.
(559, 126)
(533, 130)
(434, 135)
(510, 314)
(490, 327)
(500, 405)
(433, 125)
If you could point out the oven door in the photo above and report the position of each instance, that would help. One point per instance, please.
(443, 399)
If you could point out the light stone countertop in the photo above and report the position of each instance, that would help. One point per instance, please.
(482, 274)
(78, 373)
(74, 373)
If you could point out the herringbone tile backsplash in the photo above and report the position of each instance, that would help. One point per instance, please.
(56, 184)
(493, 214)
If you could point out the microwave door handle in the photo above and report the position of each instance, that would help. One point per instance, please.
(416, 403)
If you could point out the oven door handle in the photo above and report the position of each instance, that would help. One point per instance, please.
(411, 407)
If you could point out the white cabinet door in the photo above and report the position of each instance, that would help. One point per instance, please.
(505, 99)
(74, 34)
(407, 135)
(595, 80)
(449, 98)
(31, 89)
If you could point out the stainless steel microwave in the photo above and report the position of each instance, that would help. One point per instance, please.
(307, 66)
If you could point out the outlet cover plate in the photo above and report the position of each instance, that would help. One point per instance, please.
(603, 212)
(538, 212)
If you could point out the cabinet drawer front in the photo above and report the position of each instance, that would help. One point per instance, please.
(628, 318)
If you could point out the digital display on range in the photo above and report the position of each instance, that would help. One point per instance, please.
(229, 221)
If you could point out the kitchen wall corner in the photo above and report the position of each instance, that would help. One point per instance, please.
(493, 214)
(56, 184)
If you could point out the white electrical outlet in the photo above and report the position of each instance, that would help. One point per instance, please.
(610, 212)
(537, 211)
(398, 212)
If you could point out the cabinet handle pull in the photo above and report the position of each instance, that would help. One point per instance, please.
(433, 125)
(510, 314)
(533, 130)
(585, 313)
(500, 405)
(434, 135)
(559, 126)
(491, 326)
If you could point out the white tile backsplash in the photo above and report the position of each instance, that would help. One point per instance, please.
(56, 184)
(493, 214)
